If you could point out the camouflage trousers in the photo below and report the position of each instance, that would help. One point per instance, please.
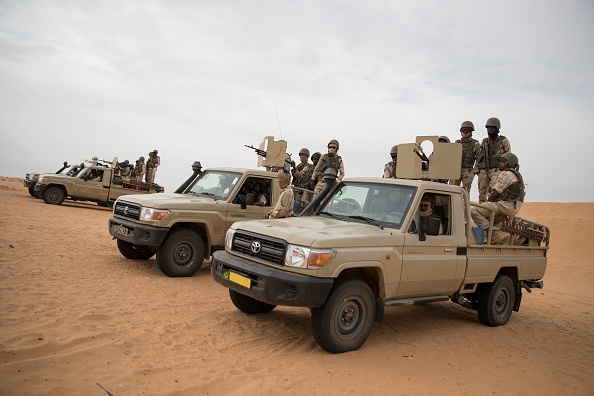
(481, 216)
(485, 184)
(150, 175)
(466, 178)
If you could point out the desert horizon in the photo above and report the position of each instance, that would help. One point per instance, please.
(78, 318)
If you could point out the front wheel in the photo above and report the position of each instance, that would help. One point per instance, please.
(344, 322)
(135, 252)
(181, 254)
(496, 301)
(31, 191)
(53, 195)
(249, 305)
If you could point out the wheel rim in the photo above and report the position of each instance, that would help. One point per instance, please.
(54, 195)
(183, 254)
(501, 302)
(350, 317)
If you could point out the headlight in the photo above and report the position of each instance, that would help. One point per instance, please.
(42, 180)
(149, 214)
(302, 257)
(34, 177)
(229, 238)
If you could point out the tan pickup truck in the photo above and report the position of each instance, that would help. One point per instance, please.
(94, 182)
(358, 248)
(183, 228)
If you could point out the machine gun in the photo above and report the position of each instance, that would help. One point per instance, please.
(276, 157)
(419, 151)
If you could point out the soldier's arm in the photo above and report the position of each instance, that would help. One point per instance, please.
(341, 170)
(506, 146)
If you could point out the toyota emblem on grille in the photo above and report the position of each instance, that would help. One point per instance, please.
(126, 210)
(256, 246)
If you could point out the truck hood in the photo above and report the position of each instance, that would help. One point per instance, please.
(168, 201)
(321, 232)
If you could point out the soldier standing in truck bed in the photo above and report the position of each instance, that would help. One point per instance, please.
(140, 169)
(390, 168)
(332, 160)
(302, 173)
(151, 166)
(470, 151)
(492, 148)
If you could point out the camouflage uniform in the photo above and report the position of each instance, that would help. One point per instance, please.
(510, 186)
(140, 169)
(325, 162)
(470, 151)
(497, 146)
(301, 177)
(151, 166)
(390, 170)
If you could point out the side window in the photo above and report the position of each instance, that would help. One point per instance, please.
(433, 205)
(443, 209)
(256, 191)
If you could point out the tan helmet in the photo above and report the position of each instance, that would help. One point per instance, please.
(316, 156)
(510, 158)
(394, 150)
(494, 122)
(155, 152)
(304, 151)
(444, 139)
(334, 141)
(141, 159)
(467, 124)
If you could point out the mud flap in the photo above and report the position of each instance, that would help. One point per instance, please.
(379, 310)
(518, 300)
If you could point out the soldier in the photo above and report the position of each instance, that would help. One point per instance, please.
(302, 173)
(125, 169)
(151, 166)
(140, 169)
(333, 160)
(492, 148)
(505, 198)
(390, 168)
(470, 151)
(426, 211)
(284, 203)
(260, 197)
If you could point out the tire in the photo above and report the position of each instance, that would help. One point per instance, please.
(345, 321)
(53, 195)
(135, 252)
(37, 194)
(496, 301)
(181, 254)
(31, 191)
(249, 305)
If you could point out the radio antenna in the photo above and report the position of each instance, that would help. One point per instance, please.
(278, 122)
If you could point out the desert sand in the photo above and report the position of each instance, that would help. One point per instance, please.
(80, 319)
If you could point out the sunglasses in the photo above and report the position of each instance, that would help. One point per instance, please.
(332, 147)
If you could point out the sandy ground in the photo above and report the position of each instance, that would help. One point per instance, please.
(76, 316)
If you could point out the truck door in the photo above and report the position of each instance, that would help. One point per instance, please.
(93, 184)
(252, 199)
(431, 266)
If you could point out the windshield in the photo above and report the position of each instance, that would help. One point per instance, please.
(215, 184)
(383, 204)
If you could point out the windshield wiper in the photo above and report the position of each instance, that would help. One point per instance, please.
(368, 220)
(334, 216)
(209, 194)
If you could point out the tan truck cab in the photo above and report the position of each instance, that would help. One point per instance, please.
(95, 181)
(361, 248)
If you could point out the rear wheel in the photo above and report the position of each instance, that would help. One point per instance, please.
(496, 301)
(249, 305)
(135, 252)
(345, 321)
(53, 195)
(181, 254)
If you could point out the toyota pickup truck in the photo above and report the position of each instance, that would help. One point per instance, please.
(31, 179)
(96, 182)
(359, 247)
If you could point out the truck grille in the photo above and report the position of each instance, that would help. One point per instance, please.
(265, 248)
(127, 209)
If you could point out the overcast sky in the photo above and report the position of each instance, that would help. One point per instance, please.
(197, 80)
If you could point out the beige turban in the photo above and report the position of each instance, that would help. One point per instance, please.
(284, 179)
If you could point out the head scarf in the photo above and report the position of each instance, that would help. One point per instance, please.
(284, 179)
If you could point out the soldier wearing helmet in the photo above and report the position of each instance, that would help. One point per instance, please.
(140, 169)
(390, 167)
(492, 147)
(470, 151)
(302, 173)
(151, 166)
(505, 198)
(329, 160)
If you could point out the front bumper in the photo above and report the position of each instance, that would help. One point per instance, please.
(135, 233)
(39, 187)
(29, 183)
(271, 285)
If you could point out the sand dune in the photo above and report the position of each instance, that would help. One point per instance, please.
(76, 314)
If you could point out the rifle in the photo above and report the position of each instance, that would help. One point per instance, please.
(487, 159)
(261, 153)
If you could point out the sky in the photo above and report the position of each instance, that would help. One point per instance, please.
(198, 80)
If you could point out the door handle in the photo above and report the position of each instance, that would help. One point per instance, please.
(448, 250)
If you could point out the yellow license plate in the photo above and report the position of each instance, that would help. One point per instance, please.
(118, 229)
(236, 278)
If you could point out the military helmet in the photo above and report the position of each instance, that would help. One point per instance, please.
(141, 159)
(494, 122)
(444, 138)
(467, 124)
(304, 151)
(510, 158)
(155, 152)
(334, 141)
(315, 156)
(394, 149)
